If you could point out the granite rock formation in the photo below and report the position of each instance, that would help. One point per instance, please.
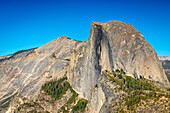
(117, 45)
(111, 45)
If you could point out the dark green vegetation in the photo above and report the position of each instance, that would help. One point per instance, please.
(168, 76)
(71, 100)
(56, 88)
(53, 56)
(166, 64)
(136, 96)
(137, 90)
(5, 105)
(96, 86)
(80, 106)
(128, 83)
(6, 102)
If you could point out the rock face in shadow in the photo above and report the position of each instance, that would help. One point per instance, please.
(117, 45)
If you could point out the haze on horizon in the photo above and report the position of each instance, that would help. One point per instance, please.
(26, 24)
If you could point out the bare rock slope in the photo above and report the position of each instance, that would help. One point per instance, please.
(112, 45)
(24, 73)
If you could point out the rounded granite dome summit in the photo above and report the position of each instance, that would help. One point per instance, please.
(126, 27)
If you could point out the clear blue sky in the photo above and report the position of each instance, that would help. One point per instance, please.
(27, 24)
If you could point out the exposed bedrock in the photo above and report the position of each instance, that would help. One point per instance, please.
(111, 45)
(117, 45)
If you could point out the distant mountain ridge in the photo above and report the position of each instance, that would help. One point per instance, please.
(164, 57)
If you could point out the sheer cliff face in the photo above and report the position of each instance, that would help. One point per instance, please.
(122, 46)
(112, 44)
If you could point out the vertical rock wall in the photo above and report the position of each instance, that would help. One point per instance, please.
(112, 44)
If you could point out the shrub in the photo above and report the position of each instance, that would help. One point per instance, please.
(168, 89)
(80, 106)
(96, 86)
(114, 74)
(117, 70)
(73, 97)
(120, 76)
(141, 77)
(122, 71)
